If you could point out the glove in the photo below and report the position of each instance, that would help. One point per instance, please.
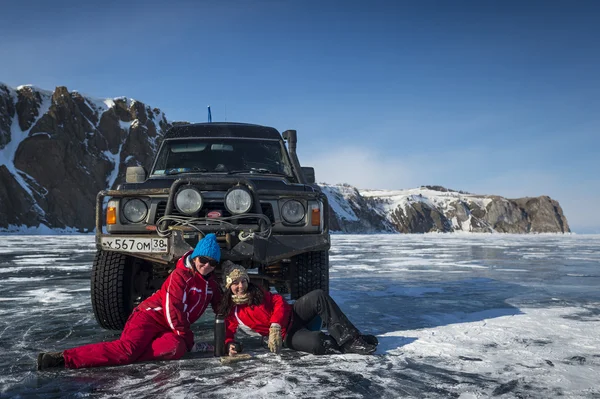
(202, 347)
(236, 346)
(275, 339)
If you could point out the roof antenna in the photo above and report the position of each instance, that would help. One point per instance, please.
(209, 114)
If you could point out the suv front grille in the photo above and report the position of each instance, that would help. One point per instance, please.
(267, 210)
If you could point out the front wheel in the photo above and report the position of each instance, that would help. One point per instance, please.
(117, 286)
(310, 272)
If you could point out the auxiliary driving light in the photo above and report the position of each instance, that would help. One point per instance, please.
(188, 201)
(238, 200)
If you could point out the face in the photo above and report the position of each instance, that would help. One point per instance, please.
(204, 265)
(239, 286)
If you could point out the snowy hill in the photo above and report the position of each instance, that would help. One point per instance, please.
(437, 209)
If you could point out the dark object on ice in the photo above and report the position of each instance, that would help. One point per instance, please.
(219, 335)
(237, 180)
(48, 360)
(471, 359)
(577, 359)
(370, 339)
(358, 346)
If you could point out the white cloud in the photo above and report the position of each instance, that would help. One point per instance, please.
(362, 168)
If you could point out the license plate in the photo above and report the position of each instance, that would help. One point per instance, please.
(135, 244)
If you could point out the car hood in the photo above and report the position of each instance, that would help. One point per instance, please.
(262, 183)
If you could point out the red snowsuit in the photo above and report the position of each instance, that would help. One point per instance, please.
(159, 327)
(274, 309)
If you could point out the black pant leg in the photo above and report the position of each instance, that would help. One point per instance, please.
(315, 342)
(319, 303)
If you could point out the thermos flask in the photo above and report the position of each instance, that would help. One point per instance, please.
(220, 335)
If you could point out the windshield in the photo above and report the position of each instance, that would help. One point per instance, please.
(222, 156)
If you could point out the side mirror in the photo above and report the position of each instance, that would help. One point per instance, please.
(135, 174)
(309, 174)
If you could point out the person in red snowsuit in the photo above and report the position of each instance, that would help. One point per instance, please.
(160, 327)
(246, 305)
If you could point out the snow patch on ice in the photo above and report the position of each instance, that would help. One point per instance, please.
(45, 295)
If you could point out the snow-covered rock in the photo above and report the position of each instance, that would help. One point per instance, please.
(58, 149)
(351, 212)
(437, 209)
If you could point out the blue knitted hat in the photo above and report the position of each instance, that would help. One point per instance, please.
(208, 247)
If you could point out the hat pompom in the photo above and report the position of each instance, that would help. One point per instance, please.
(209, 247)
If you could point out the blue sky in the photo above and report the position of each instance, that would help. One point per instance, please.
(491, 97)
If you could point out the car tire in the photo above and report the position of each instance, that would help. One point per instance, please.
(113, 287)
(310, 272)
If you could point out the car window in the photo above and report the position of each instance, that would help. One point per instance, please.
(222, 156)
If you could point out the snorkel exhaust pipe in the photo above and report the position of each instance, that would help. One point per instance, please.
(291, 137)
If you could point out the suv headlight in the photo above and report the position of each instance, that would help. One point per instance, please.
(238, 200)
(293, 211)
(188, 201)
(135, 210)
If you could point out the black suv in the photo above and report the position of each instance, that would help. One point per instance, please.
(236, 180)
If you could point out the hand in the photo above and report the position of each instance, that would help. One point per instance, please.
(233, 348)
(275, 339)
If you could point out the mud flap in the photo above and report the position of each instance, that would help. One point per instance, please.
(255, 248)
(260, 248)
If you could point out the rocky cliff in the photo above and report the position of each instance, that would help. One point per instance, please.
(59, 149)
(437, 209)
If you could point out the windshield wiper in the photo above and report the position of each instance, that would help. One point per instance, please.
(177, 171)
(256, 170)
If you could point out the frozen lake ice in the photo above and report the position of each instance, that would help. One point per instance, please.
(457, 315)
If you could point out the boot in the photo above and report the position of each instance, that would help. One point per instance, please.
(359, 346)
(370, 339)
(48, 360)
(330, 346)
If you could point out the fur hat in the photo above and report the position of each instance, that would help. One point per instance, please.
(208, 247)
(233, 272)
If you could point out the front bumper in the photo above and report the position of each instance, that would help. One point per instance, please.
(261, 250)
